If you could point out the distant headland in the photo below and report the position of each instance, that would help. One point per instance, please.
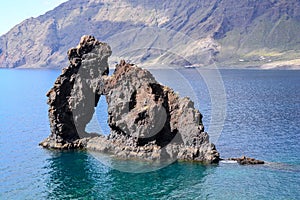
(230, 34)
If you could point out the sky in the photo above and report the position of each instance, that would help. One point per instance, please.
(13, 12)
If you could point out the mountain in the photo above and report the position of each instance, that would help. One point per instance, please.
(239, 33)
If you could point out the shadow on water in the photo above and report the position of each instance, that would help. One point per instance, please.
(78, 175)
(69, 175)
(171, 181)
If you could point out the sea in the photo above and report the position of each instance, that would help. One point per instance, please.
(255, 113)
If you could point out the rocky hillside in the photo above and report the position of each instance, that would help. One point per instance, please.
(184, 32)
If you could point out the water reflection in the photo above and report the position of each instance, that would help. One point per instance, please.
(78, 175)
(70, 175)
(171, 181)
(130, 165)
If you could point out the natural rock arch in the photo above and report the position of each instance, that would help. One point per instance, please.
(147, 120)
(76, 92)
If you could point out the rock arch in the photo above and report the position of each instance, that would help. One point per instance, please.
(147, 120)
(76, 92)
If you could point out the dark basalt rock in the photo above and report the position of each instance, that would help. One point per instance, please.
(75, 93)
(247, 161)
(150, 121)
(147, 120)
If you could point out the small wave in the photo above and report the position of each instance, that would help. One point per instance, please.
(229, 161)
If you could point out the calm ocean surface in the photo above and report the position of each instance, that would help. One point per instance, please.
(262, 121)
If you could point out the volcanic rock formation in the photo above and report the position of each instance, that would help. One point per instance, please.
(76, 92)
(247, 161)
(147, 120)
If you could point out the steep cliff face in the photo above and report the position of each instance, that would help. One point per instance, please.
(261, 32)
(227, 31)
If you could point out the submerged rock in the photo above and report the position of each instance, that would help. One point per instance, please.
(147, 120)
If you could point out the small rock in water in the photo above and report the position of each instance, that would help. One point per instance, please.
(247, 161)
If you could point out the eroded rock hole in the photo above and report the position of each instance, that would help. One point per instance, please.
(132, 102)
(156, 90)
(98, 123)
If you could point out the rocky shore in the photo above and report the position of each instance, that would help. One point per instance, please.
(147, 120)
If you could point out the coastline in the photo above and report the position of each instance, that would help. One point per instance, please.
(276, 65)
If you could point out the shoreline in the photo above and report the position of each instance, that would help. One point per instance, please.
(216, 67)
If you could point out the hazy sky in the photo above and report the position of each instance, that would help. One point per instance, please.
(12, 12)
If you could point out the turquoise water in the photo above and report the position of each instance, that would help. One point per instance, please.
(262, 121)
